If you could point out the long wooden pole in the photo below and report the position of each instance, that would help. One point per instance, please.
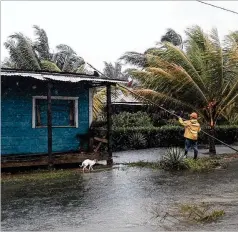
(109, 125)
(49, 124)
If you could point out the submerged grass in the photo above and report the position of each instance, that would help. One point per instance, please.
(188, 213)
(199, 165)
(38, 175)
(203, 164)
(46, 175)
(201, 212)
(144, 164)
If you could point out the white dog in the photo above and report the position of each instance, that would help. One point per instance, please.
(89, 163)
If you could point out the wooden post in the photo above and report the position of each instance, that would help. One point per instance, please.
(49, 124)
(109, 125)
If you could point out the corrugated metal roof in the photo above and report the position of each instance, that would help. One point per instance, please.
(120, 98)
(70, 77)
(36, 76)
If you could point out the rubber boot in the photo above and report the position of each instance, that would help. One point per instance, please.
(195, 155)
(186, 154)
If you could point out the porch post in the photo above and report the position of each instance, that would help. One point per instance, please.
(49, 124)
(109, 125)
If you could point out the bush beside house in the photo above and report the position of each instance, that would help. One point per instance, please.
(137, 131)
(152, 137)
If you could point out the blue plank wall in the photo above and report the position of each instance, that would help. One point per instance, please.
(17, 134)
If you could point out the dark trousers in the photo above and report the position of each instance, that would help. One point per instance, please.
(189, 143)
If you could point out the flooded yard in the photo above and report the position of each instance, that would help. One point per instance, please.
(120, 199)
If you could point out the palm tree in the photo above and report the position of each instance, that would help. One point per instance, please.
(135, 58)
(41, 44)
(139, 59)
(26, 54)
(66, 59)
(113, 72)
(22, 53)
(173, 37)
(203, 78)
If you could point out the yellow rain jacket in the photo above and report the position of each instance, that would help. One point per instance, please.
(192, 127)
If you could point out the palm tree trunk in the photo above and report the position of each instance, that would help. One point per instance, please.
(212, 147)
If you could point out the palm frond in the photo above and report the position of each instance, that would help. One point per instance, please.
(175, 55)
(49, 66)
(8, 63)
(65, 49)
(99, 99)
(162, 99)
(67, 59)
(172, 37)
(231, 39)
(17, 55)
(231, 113)
(100, 96)
(22, 52)
(72, 63)
(169, 77)
(134, 58)
(42, 44)
(113, 71)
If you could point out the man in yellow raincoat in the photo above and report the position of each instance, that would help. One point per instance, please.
(192, 127)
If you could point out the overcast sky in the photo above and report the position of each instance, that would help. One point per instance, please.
(103, 31)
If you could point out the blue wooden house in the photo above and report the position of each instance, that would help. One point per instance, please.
(43, 112)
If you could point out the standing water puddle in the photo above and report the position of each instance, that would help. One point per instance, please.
(121, 199)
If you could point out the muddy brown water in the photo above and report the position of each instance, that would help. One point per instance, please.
(121, 199)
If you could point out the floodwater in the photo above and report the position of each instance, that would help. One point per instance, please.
(123, 199)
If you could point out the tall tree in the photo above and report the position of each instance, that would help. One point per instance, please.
(113, 72)
(41, 45)
(66, 58)
(173, 37)
(22, 52)
(203, 78)
(35, 55)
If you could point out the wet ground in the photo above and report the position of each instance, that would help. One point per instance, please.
(121, 199)
(155, 154)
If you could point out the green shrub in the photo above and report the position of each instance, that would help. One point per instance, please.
(155, 137)
(227, 133)
(167, 136)
(137, 140)
(172, 122)
(173, 159)
(126, 119)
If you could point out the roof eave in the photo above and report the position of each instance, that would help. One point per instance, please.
(62, 78)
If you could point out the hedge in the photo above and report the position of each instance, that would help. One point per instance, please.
(126, 119)
(152, 137)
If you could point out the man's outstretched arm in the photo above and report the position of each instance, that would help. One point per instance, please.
(183, 123)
